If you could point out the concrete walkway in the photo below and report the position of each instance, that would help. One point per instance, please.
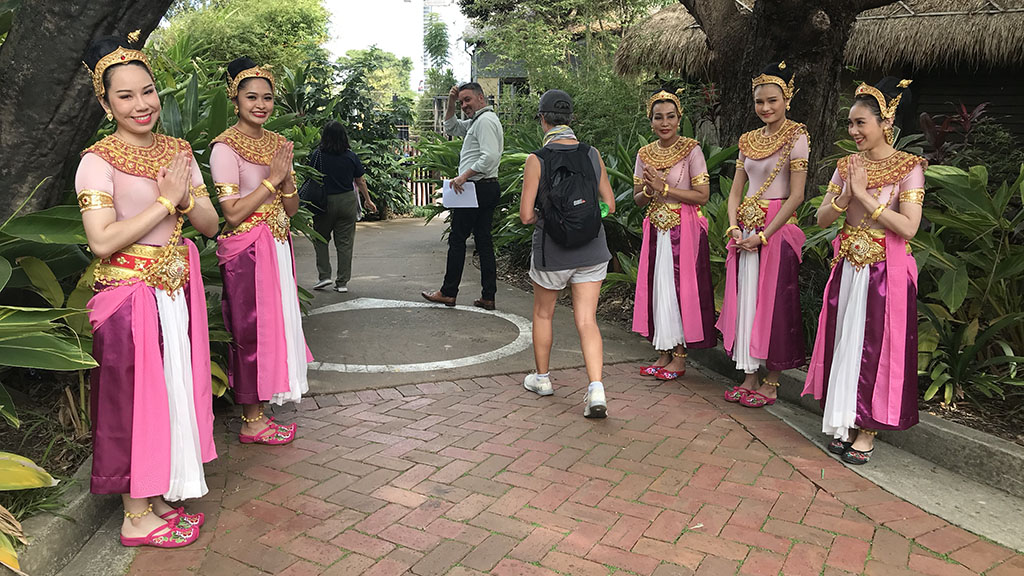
(458, 470)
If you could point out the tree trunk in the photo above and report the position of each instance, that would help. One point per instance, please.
(48, 111)
(810, 35)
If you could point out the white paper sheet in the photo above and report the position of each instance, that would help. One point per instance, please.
(466, 199)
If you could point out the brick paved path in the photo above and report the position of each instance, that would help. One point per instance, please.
(480, 476)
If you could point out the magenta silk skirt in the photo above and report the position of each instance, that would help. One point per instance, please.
(112, 389)
(239, 310)
(873, 331)
(705, 288)
(786, 347)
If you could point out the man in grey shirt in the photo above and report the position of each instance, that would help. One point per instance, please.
(478, 163)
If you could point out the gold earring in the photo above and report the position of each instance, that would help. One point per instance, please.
(110, 116)
(787, 107)
(890, 135)
(236, 109)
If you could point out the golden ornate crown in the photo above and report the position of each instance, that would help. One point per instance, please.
(254, 72)
(887, 111)
(787, 87)
(661, 96)
(120, 56)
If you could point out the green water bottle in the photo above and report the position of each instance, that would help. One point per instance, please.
(604, 209)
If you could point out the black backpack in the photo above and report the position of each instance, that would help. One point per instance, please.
(568, 196)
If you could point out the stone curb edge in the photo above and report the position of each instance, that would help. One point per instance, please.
(973, 454)
(55, 538)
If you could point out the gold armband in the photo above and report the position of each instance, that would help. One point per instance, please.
(200, 191)
(834, 188)
(913, 196)
(224, 190)
(637, 181)
(798, 165)
(739, 165)
(171, 209)
(700, 179)
(94, 200)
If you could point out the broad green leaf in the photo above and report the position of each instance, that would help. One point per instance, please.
(953, 287)
(170, 117)
(220, 379)
(721, 156)
(58, 225)
(79, 300)
(43, 280)
(5, 272)
(63, 259)
(190, 116)
(7, 408)
(43, 351)
(971, 333)
(1010, 266)
(218, 120)
(20, 473)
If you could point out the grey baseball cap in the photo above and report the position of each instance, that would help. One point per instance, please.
(555, 102)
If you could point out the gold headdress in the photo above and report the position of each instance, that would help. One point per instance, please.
(887, 111)
(120, 56)
(787, 87)
(254, 72)
(661, 96)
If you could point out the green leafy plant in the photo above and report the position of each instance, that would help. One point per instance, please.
(17, 473)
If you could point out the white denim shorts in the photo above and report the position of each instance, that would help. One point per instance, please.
(558, 279)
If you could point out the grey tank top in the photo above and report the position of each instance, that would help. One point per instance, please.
(550, 256)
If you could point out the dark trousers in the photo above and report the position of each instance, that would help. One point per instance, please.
(475, 221)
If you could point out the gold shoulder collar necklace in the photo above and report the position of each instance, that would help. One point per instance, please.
(884, 172)
(660, 158)
(144, 161)
(757, 145)
(254, 150)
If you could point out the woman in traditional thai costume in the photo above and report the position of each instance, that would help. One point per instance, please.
(760, 320)
(674, 306)
(864, 364)
(252, 171)
(151, 405)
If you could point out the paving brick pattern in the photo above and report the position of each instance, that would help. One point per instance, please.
(479, 476)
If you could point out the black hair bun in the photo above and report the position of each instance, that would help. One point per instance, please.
(239, 64)
(780, 69)
(101, 47)
(892, 86)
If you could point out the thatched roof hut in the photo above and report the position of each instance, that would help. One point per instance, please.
(919, 35)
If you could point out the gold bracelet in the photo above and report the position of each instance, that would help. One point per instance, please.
(292, 195)
(878, 212)
(729, 230)
(171, 209)
(644, 192)
(836, 206)
(191, 205)
(269, 185)
(665, 191)
(764, 240)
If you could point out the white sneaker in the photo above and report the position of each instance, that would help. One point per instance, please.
(322, 284)
(594, 405)
(342, 288)
(540, 385)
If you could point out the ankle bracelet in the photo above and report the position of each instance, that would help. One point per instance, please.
(869, 432)
(251, 420)
(679, 354)
(768, 382)
(133, 516)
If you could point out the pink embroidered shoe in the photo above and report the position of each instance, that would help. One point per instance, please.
(291, 427)
(183, 521)
(170, 537)
(756, 400)
(736, 394)
(279, 435)
(650, 370)
(667, 375)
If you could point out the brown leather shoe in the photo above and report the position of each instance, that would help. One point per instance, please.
(485, 304)
(439, 298)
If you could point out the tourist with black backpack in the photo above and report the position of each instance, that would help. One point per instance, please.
(564, 186)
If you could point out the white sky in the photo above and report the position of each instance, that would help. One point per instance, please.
(395, 26)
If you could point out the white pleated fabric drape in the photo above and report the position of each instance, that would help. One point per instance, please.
(746, 307)
(668, 320)
(841, 400)
(187, 477)
(294, 340)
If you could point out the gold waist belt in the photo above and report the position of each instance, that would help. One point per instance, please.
(273, 214)
(861, 246)
(664, 216)
(157, 266)
(752, 213)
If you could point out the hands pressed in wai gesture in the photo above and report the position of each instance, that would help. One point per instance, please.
(281, 164)
(654, 180)
(173, 180)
